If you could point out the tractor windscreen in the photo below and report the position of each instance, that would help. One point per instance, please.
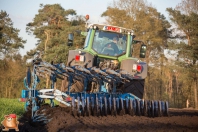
(109, 43)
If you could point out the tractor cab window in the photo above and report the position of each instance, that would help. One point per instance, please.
(109, 43)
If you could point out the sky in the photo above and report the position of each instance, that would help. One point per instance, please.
(22, 12)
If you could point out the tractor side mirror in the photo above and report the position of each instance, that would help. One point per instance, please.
(143, 51)
(70, 39)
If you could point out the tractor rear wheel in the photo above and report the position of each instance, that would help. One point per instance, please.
(135, 87)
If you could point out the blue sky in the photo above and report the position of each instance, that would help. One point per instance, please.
(23, 11)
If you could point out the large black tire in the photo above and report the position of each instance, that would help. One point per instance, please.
(135, 87)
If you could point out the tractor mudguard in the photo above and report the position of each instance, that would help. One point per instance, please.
(85, 58)
(128, 64)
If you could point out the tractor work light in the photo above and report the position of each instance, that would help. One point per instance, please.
(131, 33)
(95, 27)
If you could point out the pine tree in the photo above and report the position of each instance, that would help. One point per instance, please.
(51, 27)
(187, 57)
(10, 42)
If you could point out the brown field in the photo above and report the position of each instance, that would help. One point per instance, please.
(180, 120)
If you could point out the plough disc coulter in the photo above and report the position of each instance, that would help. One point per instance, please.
(103, 104)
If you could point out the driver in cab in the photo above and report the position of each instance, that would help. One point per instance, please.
(113, 45)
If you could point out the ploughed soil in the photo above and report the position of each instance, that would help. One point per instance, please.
(179, 120)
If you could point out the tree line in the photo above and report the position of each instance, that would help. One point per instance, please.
(172, 53)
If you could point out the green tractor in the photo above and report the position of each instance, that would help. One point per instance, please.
(109, 47)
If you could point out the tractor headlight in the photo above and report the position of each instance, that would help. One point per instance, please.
(95, 27)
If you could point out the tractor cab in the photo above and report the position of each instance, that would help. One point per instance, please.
(105, 43)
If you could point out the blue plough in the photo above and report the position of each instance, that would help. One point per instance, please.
(101, 102)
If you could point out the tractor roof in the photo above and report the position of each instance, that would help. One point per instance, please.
(110, 28)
